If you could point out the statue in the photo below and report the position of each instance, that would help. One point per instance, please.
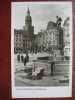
(58, 22)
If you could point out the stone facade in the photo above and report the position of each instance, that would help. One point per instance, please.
(51, 39)
(24, 39)
(52, 36)
(66, 29)
(18, 40)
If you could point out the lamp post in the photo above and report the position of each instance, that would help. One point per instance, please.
(49, 48)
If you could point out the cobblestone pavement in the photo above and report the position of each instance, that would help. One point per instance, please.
(22, 80)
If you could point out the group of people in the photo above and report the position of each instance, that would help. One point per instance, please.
(23, 59)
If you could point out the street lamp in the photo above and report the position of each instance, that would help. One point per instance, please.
(49, 47)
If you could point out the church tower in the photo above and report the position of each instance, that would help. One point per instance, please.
(28, 36)
(28, 23)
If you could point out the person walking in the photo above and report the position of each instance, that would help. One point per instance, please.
(22, 58)
(18, 57)
(26, 59)
(52, 68)
(53, 65)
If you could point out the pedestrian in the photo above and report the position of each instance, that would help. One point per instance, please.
(53, 65)
(18, 57)
(27, 57)
(52, 68)
(22, 58)
(25, 61)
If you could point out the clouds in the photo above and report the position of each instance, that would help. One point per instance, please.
(41, 13)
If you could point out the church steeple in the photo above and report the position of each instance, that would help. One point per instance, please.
(28, 12)
(28, 23)
(28, 19)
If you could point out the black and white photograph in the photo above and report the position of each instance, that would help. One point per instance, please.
(41, 49)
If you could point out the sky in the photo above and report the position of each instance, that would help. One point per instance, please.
(41, 13)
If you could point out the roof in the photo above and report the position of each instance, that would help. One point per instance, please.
(51, 25)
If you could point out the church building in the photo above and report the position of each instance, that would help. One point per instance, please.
(24, 39)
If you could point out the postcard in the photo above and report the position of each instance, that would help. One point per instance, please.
(41, 49)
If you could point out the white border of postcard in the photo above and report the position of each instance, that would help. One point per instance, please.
(40, 92)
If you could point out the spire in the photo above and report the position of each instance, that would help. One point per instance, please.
(28, 19)
(28, 11)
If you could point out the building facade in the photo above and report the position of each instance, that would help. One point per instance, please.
(50, 40)
(40, 40)
(52, 37)
(18, 40)
(24, 39)
(66, 29)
